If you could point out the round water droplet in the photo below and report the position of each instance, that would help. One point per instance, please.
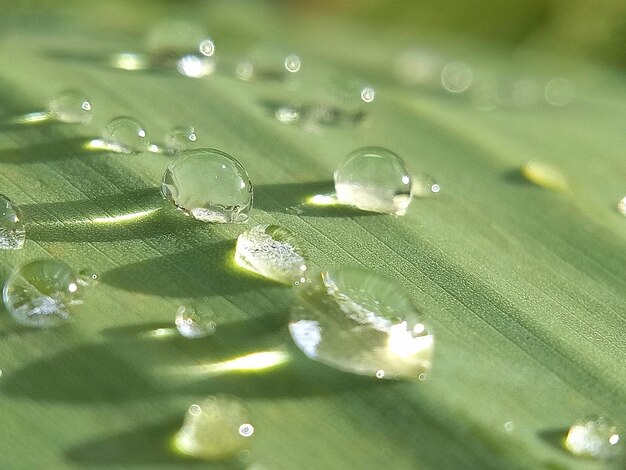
(374, 179)
(193, 325)
(180, 138)
(216, 428)
(209, 185)
(195, 66)
(206, 47)
(71, 106)
(595, 437)
(12, 232)
(292, 63)
(456, 77)
(273, 252)
(362, 323)
(425, 185)
(559, 91)
(125, 135)
(41, 293)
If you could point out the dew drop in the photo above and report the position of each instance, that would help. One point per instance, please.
(288, 114)
(216, 428)
(12, 231)
(209, 185)
(456, 77)
(193, 325)
(194, 66)
(425, 185)
(41, 293)
(374, 179)
(71, 106)
(125, 135)
(595, 437)
(362, 323)
(273, 252)
(292, 63)
(206, 47)
(179, 139)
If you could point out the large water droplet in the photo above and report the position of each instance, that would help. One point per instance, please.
(361, 323)
(125, 134)
(191, 324)
(209, 185)
(71, 106)
(374, 179)
(273, 252)
(41, 293)
(180, 138)
(12, 232)
(216, 428)
(594, 437)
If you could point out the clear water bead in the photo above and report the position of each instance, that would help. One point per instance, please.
(71, 106)
(12, 232)
(209, 185)
(425, 185)
(273, 252)
(374, 179)
(594, 437)
(216, 428)
(125, 135)
(193, 325)
(362, 323)
(180, 138)
(41, 293)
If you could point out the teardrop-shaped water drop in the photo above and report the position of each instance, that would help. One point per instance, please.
(41, 293)
(209, 185)
(12, 231)
(71, 106)
(215, 428)
(374, 179)
(362, 323)
(273, 252)
(125, 135)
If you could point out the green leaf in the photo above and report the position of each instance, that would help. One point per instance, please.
(524, 287)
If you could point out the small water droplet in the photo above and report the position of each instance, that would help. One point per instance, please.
(337, 321)
(368, 94)
(545, 175)
(125, 135)
(12, 231)
(621, 205)
(206, 47)
(180, 138)
(288, 114)
(559, 91)
(292, 63)
(456, 77)
(374, 179)
(193, 325)
(425, 185)
(216, 428)
(194, 66)
(209, 185)
(87, 277)
(273, 252)
(509, 426)
(595, 437)
(71, 106)
(41, 293)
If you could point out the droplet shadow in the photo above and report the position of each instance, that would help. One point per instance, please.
(295, 199)
(55, 149)
(555, 438)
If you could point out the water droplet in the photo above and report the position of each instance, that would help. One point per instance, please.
(288, 114)
(456, 77)
(41, 293)
(180, 138)
(559, 91)
(509, 426)
(193, 325)
(545, 175)
(12, 232)
(206, 47)
(374, 179)
(209, 185)
(87, 277)
(425, 185)
(71, 106)
(216, 428)
(594, 437)
(337, 320)
(621, 205)
(273, 252)
(125, 135)
(268, 62)
(292, 63)
(194, 66)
